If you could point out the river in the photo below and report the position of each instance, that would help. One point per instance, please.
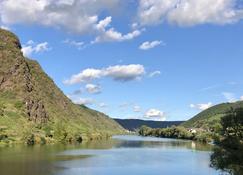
(121, 155)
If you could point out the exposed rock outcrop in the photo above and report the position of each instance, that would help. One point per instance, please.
(30, 93)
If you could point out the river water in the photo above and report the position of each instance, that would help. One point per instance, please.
(121, 155)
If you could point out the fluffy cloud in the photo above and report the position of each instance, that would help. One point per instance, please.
(152, 12)
(125, 72)
(155, 114)
(76, 16)
(31, 47)
(83, 16)
(86, 75)
(180, 12)
(93, 89)
(202, 106)
(106, 35)
(118, 73)
(155, 73)
(230, 97)
(149, 45)
(113, 35)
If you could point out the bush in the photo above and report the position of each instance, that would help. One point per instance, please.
(30, 140)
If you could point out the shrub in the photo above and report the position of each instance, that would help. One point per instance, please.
(30, 139)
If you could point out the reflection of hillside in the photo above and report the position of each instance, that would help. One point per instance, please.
(163, 144)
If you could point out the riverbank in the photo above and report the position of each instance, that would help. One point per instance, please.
(178, 132)
(37, 139)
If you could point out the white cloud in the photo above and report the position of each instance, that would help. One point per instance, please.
(31, 47)
(149, 45)
(202, 106)
(241, 98)
(152, 12)
(155, 114)
(79, 16)
(76, 16)
(85, 76)
(113, 35)
(109, 35)
(189, 12)
(78, 44)
(155, 73)
(83, 101)
(93, 89)
(125, 72)
(118, 73)
(230, 97)
(104, 23)
(137, 108)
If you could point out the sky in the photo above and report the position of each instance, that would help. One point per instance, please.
(145, 59)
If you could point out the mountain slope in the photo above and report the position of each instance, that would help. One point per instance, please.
(211, 116)
(133, 124)
(30, 101)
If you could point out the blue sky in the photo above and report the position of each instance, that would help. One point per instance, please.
(146, 59)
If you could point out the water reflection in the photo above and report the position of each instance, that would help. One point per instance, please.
(121, 155)
(228, 157)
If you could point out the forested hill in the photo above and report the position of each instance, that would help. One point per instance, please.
(211, 116)
(133, 124)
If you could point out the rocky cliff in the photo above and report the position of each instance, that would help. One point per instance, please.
(32, 105)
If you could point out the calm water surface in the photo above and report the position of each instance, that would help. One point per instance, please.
(122, 155)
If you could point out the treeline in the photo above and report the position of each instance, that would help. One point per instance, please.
(228, 136)
(177, 132)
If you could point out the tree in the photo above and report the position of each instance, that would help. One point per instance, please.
(228, 156)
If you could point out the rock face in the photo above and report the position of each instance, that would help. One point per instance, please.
(25, 89)
(16, 76)
(36, 111)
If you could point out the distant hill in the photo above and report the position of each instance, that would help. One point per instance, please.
(32, 106)
(133, 124)
(211, 116)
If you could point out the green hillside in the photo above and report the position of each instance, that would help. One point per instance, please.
(33, 108)
(211, 117)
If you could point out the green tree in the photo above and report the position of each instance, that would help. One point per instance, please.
(145, 131)
(228, 156)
